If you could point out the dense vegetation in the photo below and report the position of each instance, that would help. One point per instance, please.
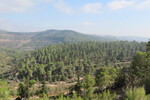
(8, 59)
(96, 71)
(66, 61)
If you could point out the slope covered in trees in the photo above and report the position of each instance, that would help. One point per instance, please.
(135, 85)
(66, 61)
(96, 70)
(8, 58)
(138, 73)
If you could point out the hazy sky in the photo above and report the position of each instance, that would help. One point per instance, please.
(101, 17)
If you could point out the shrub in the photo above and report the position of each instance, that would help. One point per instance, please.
(136, 94)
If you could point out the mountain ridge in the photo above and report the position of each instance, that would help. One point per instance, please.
(33, 40)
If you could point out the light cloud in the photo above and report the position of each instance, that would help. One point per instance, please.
(7, 6)
(61, 6)
(120, 4)
(19, 6)
(144, 4)
(92, 8)
(48, 0)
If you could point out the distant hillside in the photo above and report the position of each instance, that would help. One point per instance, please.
(32, 40)
(133, 38)
(129, 38)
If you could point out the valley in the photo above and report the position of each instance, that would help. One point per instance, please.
(73, 70)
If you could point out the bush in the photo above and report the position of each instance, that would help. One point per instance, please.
(136, 94)
(4, 90)
(106, 95)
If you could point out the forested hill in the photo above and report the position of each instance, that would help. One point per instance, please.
(32, 40)
(69, 68)
(63, 61)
